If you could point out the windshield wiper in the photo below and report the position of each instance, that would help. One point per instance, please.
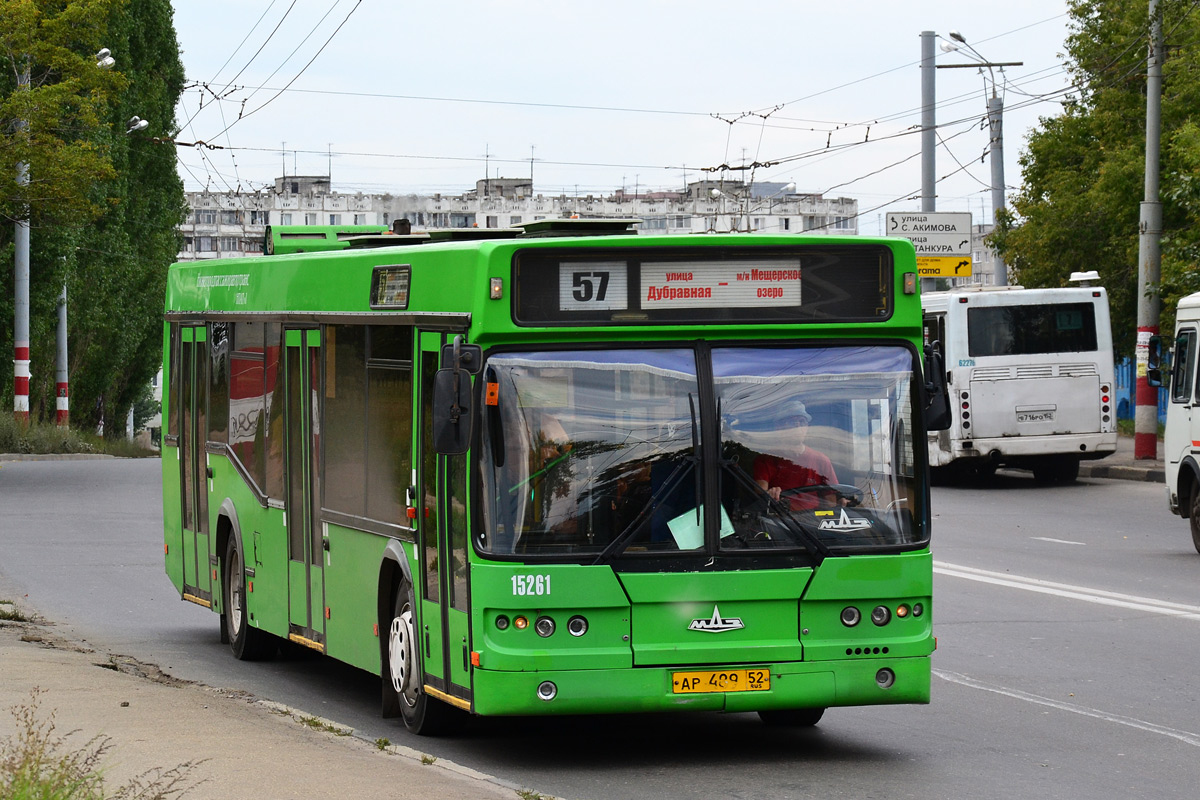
(812, 542)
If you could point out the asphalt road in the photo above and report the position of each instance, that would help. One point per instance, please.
(1066, 619)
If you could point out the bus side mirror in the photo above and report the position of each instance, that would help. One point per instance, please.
(937, 398)
(1155, 363)
(453, 411)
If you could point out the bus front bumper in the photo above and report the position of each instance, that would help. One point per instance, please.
(857, 682)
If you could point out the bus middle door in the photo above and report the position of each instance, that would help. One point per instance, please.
(306, 583)
(441, 501)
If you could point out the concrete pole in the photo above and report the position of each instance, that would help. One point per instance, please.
(1145, 419)
(928, 123)
(21, 286)
(62, 415)
(996, 147)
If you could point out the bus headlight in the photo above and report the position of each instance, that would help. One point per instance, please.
(544, 626)
(851, 616)
(881, 615)
(577, 626)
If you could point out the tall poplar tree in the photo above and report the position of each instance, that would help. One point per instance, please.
(1083, 170)
(106, 207)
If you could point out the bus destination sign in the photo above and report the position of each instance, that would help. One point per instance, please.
(694, 284)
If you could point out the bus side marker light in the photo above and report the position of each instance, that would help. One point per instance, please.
(375, 629)
(492, 397)
(496, 289)
(475, 658)
(910, 283)
(249, 586)
(326, 612)
(411, 512)
(166, 549)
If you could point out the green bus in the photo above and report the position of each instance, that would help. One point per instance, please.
(566, 469)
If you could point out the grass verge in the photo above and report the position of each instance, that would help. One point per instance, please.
(41, 438)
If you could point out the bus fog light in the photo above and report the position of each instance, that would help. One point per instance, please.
(885, 678)
(548, 691)
(544, 626)
(881, 615)
(851, 616)
(577, 626)
(918, 609)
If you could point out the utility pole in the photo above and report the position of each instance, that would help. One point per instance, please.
(62, 402)
(928, 133)
(21, 283)
(928, 124)
(1145, 419)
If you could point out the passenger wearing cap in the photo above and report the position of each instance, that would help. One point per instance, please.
(802, 467)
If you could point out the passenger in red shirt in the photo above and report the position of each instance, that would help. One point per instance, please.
(804, 466)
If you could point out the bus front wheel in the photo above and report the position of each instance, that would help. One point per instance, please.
(247, 642)
(423, 715)
(791, 717)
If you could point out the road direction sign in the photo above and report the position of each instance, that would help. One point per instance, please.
(944, 266)
(933, 233)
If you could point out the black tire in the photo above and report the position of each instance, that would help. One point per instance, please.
(1194, 517)
(247, 642)
(791, 717)
(1056, 469)
(403, 692)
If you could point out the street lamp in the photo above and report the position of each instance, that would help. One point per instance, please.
(995, 112)
(21, 371)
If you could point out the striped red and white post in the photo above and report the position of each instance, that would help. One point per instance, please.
(21, 381)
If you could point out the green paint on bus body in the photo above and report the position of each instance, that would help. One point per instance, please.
(641, 626)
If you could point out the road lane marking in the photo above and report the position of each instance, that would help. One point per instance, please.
(1131, 722)
(1055, 541)
(1086, 594)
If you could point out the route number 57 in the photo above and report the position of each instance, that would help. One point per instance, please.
(590, 285)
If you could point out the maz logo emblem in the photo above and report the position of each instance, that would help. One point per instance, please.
(717, 624)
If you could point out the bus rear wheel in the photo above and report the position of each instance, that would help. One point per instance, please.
(1194, 517)
(402, 685)
(791, 717)
(1056, 469)
(247, 642)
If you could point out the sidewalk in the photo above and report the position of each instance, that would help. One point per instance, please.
(239, 746)
(1121, 465)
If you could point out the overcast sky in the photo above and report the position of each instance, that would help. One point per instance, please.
(430, 97)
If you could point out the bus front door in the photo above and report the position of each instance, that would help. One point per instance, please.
(193, 462)
(306, 540)
(442, 542)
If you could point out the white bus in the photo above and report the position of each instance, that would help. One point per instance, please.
(1180, 449)
(1030, 374)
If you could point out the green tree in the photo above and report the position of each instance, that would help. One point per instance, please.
(113, 245)
(1083, 170)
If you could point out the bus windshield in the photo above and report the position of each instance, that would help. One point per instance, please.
(591, 454)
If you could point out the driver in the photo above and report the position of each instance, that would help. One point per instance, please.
(802, 467)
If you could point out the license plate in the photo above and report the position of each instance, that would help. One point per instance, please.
(1035, 416)
(730, 680)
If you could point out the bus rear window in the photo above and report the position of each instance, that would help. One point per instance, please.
(1030, 330)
